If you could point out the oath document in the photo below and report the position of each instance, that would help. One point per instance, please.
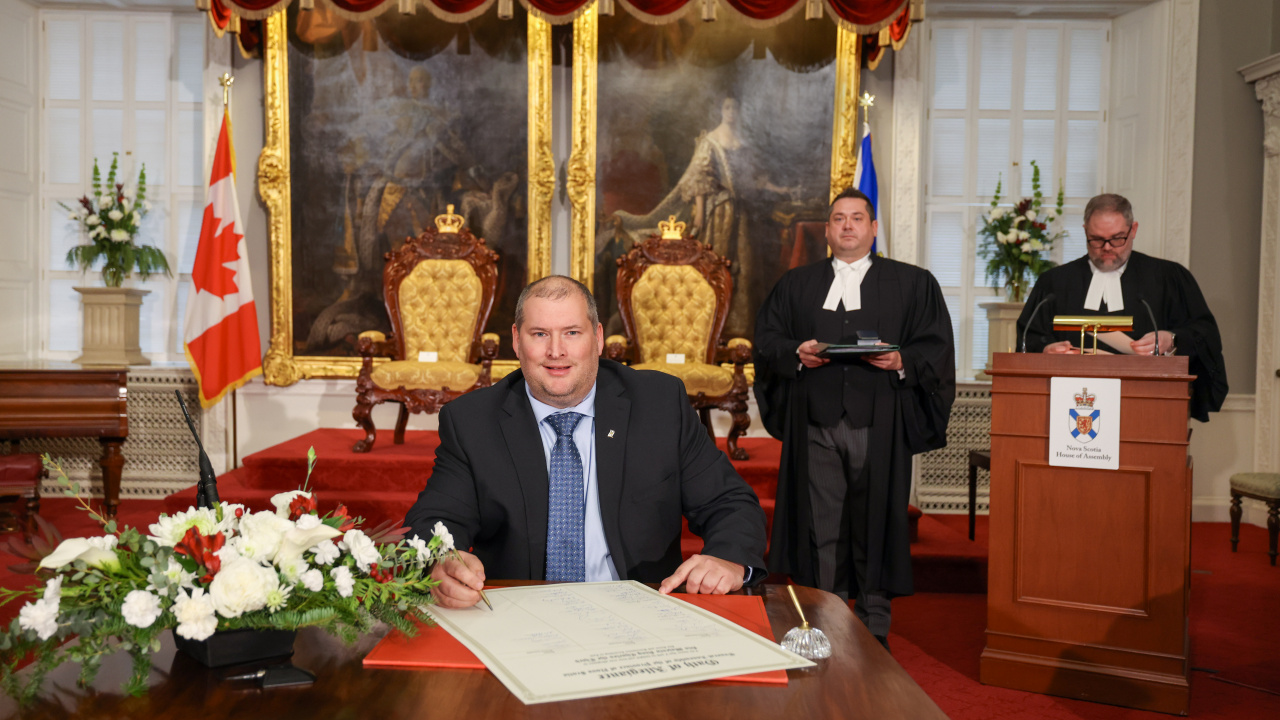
(579, 640)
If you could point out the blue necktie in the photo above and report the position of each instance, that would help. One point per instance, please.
(567, 506)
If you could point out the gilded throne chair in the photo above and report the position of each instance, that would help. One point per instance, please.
(673, 295)
(439, 289)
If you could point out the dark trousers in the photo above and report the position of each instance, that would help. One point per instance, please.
(838, 486)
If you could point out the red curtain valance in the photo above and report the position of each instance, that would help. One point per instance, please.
(861, 16)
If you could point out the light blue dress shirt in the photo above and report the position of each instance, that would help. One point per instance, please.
(599, 564)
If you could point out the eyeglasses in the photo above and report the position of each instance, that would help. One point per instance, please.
(1115, 242)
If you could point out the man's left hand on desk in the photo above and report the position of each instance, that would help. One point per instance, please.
(705, 575)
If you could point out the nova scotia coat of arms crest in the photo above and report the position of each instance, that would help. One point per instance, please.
(1084, 418)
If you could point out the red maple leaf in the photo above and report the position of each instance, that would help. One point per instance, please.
(210, 272)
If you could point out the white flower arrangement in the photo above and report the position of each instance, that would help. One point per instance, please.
(209, 569)
(110, 218)
(1016, 241)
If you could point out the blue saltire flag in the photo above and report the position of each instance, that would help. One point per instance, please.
(864, 173)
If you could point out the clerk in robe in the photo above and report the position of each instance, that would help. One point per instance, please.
(850, 426)
(1114, 280)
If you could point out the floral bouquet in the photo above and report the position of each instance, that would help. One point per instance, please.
(206, 570)
(111, 219)
(1017, 242)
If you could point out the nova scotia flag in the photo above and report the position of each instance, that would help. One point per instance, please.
(864, 175)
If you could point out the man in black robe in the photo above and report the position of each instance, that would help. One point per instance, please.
(850, 425)
(1114, 280)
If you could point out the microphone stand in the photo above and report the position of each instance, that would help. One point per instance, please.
(1155, 328)
(1031, 319)
(207, 487)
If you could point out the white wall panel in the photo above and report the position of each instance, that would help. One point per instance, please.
(19, 148)
(16, 320)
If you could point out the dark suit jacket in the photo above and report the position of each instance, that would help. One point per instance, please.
(490, 485)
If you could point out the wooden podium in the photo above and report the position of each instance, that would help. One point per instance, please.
(1088, 572)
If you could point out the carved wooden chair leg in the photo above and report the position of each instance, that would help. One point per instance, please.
(1235, 513)
(363, 414)
(401, 422)
(704, 413)
(741, 421)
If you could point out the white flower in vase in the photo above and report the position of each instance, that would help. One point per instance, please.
(141, 608)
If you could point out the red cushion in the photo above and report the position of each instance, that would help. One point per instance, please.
(20, 470)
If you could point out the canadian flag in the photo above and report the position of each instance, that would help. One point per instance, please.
(221, 330)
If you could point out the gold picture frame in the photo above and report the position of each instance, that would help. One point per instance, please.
(581, 175)
(281, 366)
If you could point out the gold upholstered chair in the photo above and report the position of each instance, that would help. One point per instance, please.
(439, 289)
(673, 295)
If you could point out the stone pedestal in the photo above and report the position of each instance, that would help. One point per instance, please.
(1002, 330)
(111, 326)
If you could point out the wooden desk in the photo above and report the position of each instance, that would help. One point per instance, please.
(859, 680)
(69, 401)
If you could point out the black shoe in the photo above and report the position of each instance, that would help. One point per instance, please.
(883, 640)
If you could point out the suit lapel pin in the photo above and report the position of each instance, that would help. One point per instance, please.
(610, 433)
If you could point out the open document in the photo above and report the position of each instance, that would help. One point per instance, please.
(581, 640)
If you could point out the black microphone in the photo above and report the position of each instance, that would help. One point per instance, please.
(207, 488)
(1031, 318)
(1154, 327)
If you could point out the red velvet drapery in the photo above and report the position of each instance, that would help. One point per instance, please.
(864, 16)
(881, 22)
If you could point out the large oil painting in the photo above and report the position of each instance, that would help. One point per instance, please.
(726, 126)
(390, 121)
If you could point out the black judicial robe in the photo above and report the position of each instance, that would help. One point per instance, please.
(1175, 300)
(904, 304)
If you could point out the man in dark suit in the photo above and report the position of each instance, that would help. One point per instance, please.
(575, 468)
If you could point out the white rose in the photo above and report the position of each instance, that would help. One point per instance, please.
(1031, 216)
(1051, 216)
(325, 552)
(1037, 245)
(261, 534)
(1026, 247)
(115, 214)
(342, 580)
(1023, 235)
(120, 235)
(92, 220)
(312, 580)
(195, 614)
(108, 201)
(361, 548)
(282, 500)
(242, 586)
(72, 549)
(140, 608)
(41, 616)
(308, 522)
(996, 214)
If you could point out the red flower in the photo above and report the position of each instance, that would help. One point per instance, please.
(203, 549)
(347, 521)
(301, 505)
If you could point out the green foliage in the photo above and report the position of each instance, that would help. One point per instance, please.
(111, 219)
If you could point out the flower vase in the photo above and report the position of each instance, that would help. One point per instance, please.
(237, 647)
(111, 325)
